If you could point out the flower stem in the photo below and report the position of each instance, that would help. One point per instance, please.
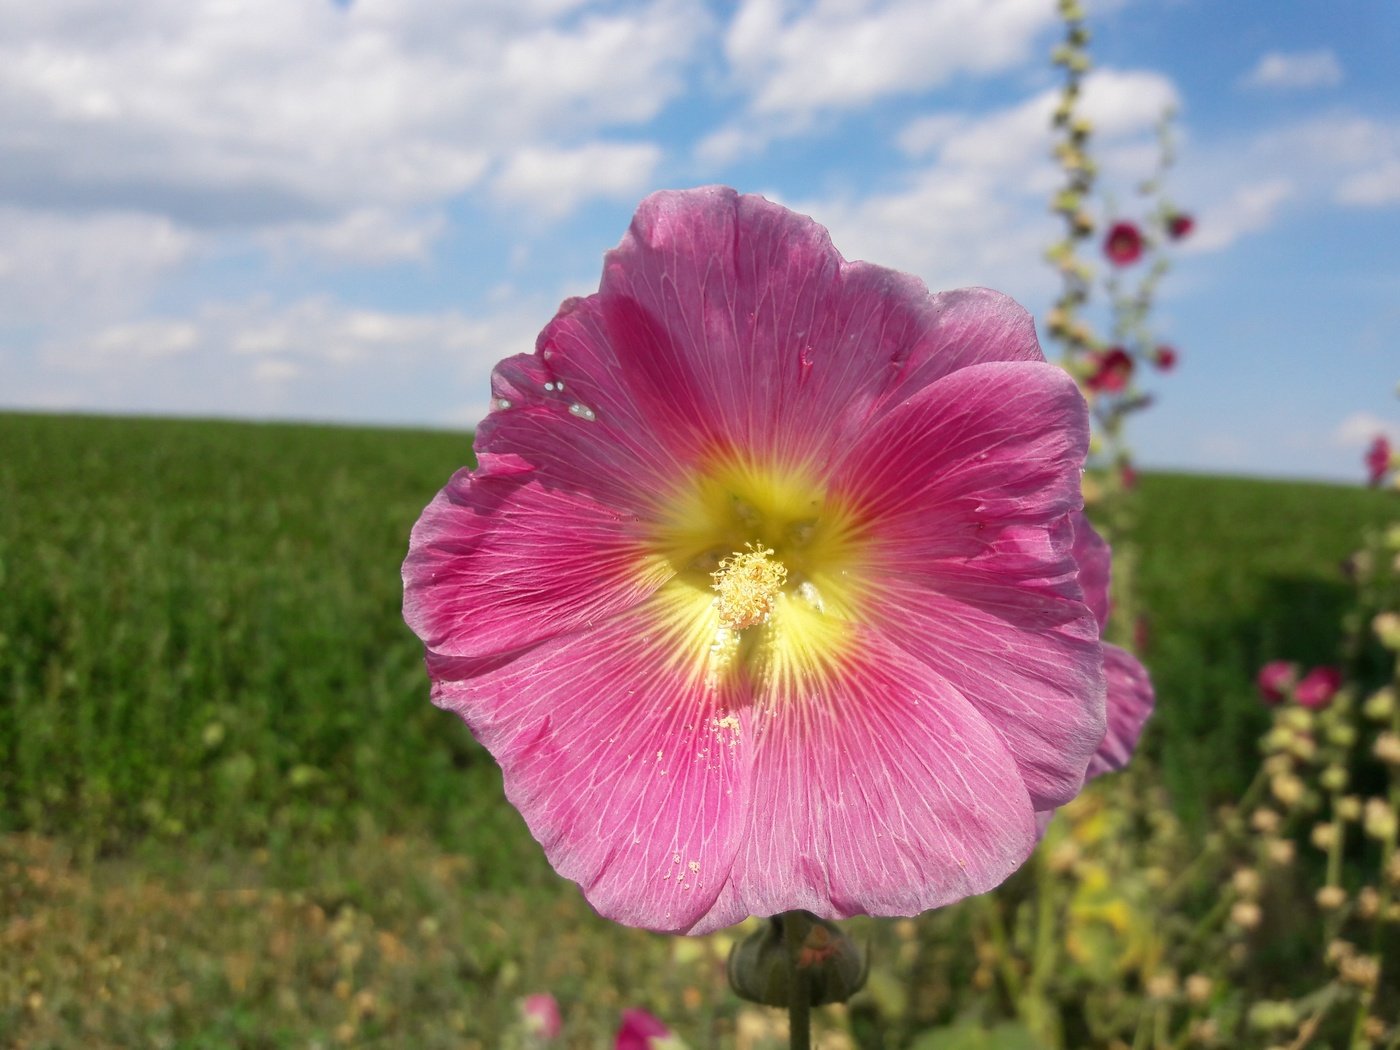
(795, 927)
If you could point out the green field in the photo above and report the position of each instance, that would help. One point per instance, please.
(206, 690)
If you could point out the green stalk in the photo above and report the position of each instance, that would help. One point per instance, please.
(799, 989)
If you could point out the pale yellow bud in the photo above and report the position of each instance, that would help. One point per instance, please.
(1361, 970)
(1288, 789)
(1334, 778)
(1198, 988)
(1379, 819)
(1387, 748)
(1330, 898)
(1246, 882)
(1162, 986)
(1279, 851)
(1368, 902)
(1324, 836)
(1246, 915)
(1338, 950)
(1265, 820)
(1387, 628)
(1349, 808)
(1205, 1031)
(1380, 705)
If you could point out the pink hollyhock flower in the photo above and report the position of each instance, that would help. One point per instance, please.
(1123, 244)
(641, 1031)
(1180, 225)
(1112, 370)
(1164, 357)
(1318, 687)
(541, 1015)
(1275, 679)
(764, 592)
(1378, 459)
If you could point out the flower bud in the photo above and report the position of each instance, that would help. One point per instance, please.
(1362, 971)
(1379, 819)
(1266, 1015)
(761, 966)
(1330, 898)
(1265, 820)
(1342, 734)
(1246, 915)
(1387, 748)
(1246, 882)
(1387, 628)
(540, 1014)
(1380, 705)
(1349, 807)
(1334, 778)
(1324, 836)
(1288, 789)
(1198, 988)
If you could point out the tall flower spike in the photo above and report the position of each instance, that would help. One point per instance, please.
(764, 593)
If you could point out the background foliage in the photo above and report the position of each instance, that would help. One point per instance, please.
(228, 803)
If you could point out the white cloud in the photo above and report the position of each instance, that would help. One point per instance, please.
(793, 62)
(1302, 69)
(266, 112)
(146, 339)
(976, 213)
(314, 358)
(54, 265)
(1341, 156)
(1360, 428)
(846, 54)
(552, 182)
(1249, 209)
(364, 236)
(1376, 187)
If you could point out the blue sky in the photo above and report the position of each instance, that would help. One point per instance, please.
(350, 211)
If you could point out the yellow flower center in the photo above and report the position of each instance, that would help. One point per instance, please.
(761, 570)
(746, 585)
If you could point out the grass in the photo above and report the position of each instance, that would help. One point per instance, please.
(1236, 572)
(230, 817)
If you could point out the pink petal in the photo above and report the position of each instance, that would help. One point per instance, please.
(1130, 700)
(639, 1030)
(547, 534)
(1095, 558)
(879, 790)
(736, 322)
(970, 486)
(496, 563)
(627, 767)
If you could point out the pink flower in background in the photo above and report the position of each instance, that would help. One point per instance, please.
(1123, 244)
(1378, 459)
(541, 1015)
(1318, 687)
(1180, 225)
(1113, 368)
(765, 593)
(1275, 679)
(1164, 357)
(641, 1031)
